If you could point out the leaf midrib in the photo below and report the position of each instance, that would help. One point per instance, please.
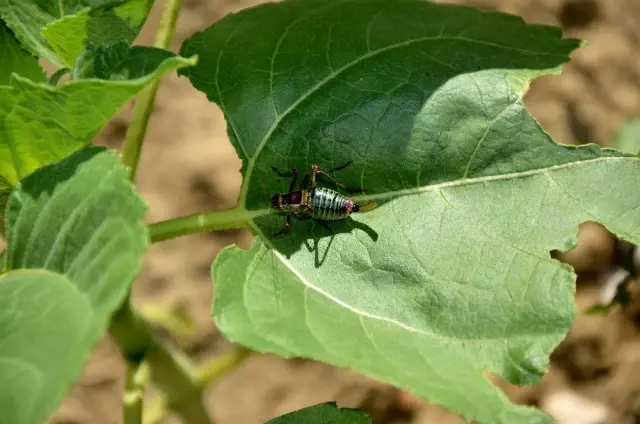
(256, 213)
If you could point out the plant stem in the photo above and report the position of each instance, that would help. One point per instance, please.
(156, 411)
(144, 103)
(171, 371)
(137, 378)
(55, 78)
(237, 217)
(216, 368)
(137, 129)
(208, 374)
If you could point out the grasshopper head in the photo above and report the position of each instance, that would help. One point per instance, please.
(276, 201)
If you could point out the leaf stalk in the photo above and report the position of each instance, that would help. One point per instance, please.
(55, 78)
(237, 217)
(218, 367)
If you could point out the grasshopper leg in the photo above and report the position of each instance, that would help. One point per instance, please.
(310, 178)
(286, 228)
(292, 173)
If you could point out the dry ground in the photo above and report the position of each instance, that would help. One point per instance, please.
(188, 165)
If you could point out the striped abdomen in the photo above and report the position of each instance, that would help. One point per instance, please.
(329, 205)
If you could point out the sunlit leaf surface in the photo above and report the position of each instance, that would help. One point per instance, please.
(40, 124)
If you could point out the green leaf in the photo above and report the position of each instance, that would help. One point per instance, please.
(60, 31)
(40, 124)
(13, 58)
(39, 306)
(78, 225)
(119, 62)
(627, 138)
(451, 277)
(324, 413)
(70, 36)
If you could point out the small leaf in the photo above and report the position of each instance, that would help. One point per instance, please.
(13, 58)
(324, 413)
(40, 124)
(627, 138)
(78, 223)
(119, 62)
(450, 278)
(59, 32)
(104, 26)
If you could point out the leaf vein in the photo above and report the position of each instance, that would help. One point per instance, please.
(492, 122)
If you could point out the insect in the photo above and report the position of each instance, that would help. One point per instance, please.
(318, 203)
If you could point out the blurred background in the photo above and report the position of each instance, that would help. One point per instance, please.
(188, 166)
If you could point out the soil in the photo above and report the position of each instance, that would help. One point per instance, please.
(188, 165)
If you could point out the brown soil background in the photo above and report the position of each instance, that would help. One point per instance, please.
(188, 166)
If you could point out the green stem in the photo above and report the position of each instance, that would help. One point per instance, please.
(171, 371)
(55, 78)
(212, 371)
(237, 217)
(144, 103)
(137, 378)
(138, 128)
(209, 374)
(156, 411)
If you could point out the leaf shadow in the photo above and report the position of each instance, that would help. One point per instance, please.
(46, 179)
(310, 234)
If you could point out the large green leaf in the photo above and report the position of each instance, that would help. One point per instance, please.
(40, 124)
(13, 58)
(451, 277)
(76, 226)
(59, 31)
(324, 413)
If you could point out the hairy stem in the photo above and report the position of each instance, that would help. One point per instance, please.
(170, 370)
(210, 221)
(144, 102)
